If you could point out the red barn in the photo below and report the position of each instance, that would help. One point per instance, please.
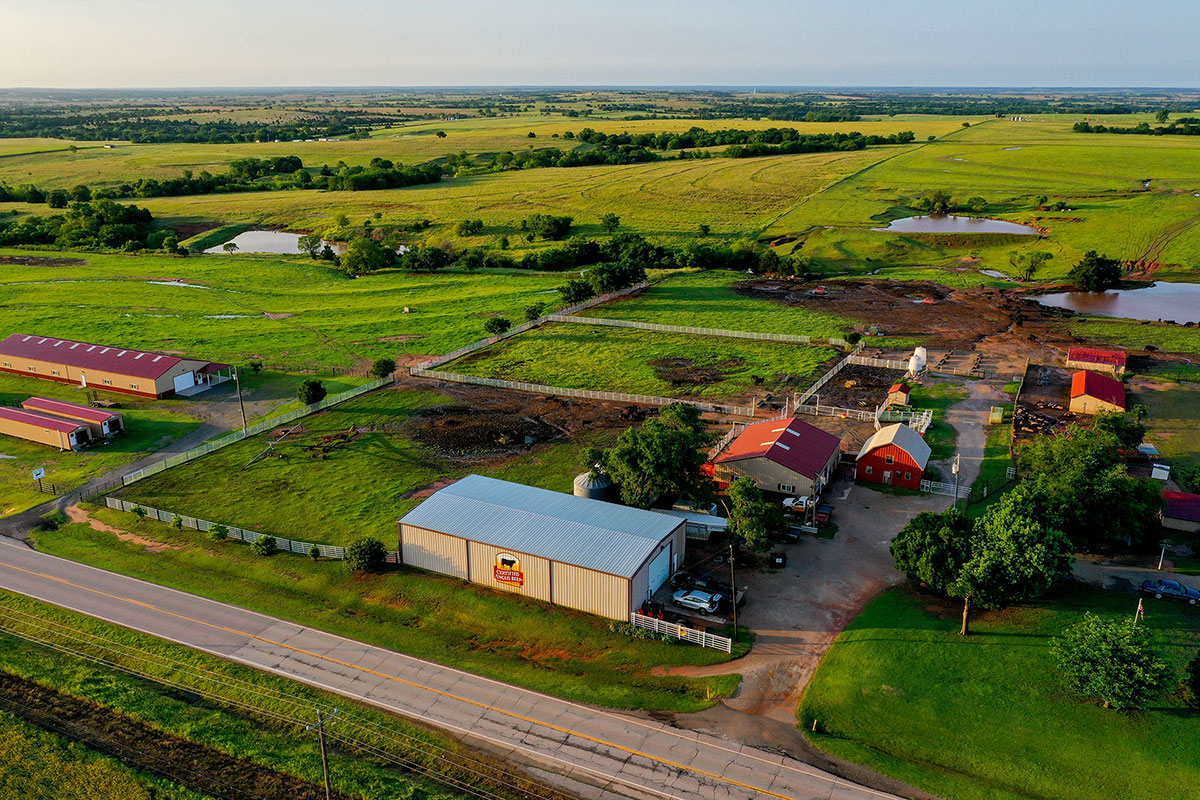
(1110, 361)
(894, 456)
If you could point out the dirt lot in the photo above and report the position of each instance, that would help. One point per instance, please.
(41, 261)
(1044, 403)
(859, 387)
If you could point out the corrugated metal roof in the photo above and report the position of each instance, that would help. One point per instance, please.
(63, 408)
(1181, 505)
(792, 443)
(1094, 355)
(82, 355)
(41, 420)
(901, 436)
(1101, 387)
(574, 530)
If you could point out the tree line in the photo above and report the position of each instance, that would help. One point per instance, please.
(95, 223)
(1184, 126)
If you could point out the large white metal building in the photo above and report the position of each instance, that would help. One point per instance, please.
(577, 552)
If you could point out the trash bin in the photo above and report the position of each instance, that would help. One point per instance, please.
(779, 559)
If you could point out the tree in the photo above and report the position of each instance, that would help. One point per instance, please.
(610, 222)
(364, 255)
(502, 243)
(752, 518)
(383, 367)
(263, 546)
(310, 243)
(57, 198)
(218, 532)
(366, 555)
(1014, 557)
(547, 226)
(496, 326)
(441, 134)
(1095, 273)
(425, 259)
(1124, 426)
(314, 553)
(663, 459)
(705, 229)
(1034, 262)
(229, 247)
(469, 227)
(311, 391)
(932, 548)
(1111, 661)
(977, 205)
(1163, 115)
(170, 244)
(534, 311)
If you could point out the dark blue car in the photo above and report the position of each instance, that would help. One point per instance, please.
(1161, 589)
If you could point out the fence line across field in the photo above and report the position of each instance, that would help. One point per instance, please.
(681, 632)
(588, 394)
(252, 430)
(654, 326)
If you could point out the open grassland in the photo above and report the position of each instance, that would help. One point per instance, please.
(560, 652)
(710, 300)
(1174, 419)
(643, 362)
(987, 716)
(52, 768)
(31, 160)
(287, 311)
(150, 425)
(230, 725)
(360, 489)
(941, 436)
(1135, 334)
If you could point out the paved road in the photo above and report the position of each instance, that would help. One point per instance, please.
(607, 755)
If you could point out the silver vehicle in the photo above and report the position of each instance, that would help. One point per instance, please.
(697, 600)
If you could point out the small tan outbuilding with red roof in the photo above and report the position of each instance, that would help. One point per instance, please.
(100, 421)
(783, 456)
(1092, 393)
(33, 426)
(1094, 358)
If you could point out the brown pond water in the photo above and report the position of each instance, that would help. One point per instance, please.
(949, 223)
(1179, 302)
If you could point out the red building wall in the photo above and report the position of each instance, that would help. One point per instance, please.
(873, 467)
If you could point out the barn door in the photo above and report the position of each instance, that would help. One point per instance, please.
(887, 477)
(660, 569)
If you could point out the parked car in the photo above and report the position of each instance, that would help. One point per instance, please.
(1162, 589)
(824, 512)
(697, 600)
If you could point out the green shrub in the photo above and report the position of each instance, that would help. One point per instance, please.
(218, 532)
(177, 522)
(138, 512)
(314, 553)
(366, 555)
(263, 546)
(51, 521)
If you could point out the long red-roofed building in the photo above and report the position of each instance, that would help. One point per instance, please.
(100, 421)
(783, 456)
(65, 434)
(1094, 358)
(1182, 511)
(1092, 392)
(114, 369)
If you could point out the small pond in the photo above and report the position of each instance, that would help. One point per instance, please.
(949, 223)
(1170, 301)
(277, 242)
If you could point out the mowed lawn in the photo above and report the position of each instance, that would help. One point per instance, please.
(987, 717)
(1174, 419)
(710, 300)
(633, 361)
(1137, 335)
(149, 426)
(360, 489)
(499, 635)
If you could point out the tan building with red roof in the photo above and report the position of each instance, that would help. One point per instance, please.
(1092, 393)
(33, 426)
(782, 456)
(1181, 512)
(100, 421)
(114, 369)
(1093, 358)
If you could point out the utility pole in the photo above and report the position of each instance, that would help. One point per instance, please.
(237, 379)
(320, 726)
(1163, 554)
(954, 468)
(733, 587)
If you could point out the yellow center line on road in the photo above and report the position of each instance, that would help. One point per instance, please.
(412, 684)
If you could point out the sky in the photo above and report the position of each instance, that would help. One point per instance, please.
(169, 43)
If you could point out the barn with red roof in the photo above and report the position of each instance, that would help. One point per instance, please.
(1181, 512)
(1092, 393)
(113, 369)
(100, 421)
(65, 434)
(1093, 358)
(782, 456)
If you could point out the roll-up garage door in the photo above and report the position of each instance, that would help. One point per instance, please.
(660, 569)
(185, 381)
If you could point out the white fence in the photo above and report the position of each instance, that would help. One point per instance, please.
(652, 326)
(588, 394)
(681, 632)
(917, 420)
(884, 363)
(824, 379)
(936, 487)
(239, 534)
(252, 430)
(818, 410)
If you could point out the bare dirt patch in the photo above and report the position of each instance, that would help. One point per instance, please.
(685, 372)
(277, 315)
(42, 261)
(78, 514)
(860, 387)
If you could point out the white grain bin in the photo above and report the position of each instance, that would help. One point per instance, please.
(917, 361)
(592, 486)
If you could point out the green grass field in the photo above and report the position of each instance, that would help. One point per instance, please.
(1137, 335)
(56, 769)
(641, 362)
(359, 490)
(560, 652)
(941, 436)
(149, 425)
(987, 716)
(709, 300)
(1173, 422)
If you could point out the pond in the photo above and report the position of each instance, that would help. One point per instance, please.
(277, 242)
(1179, 302)
(949, 223)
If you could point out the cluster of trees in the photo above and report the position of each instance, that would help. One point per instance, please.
(96, 223)
(1027, 265)
(381, 174)
(547, 226)
(1095, 273)
(940, 202)
(1184, 126)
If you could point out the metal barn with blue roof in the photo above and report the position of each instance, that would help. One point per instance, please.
(585, 554)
